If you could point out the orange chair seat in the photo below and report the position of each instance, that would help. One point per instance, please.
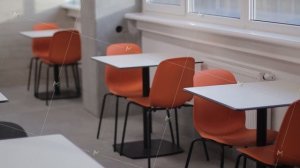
(262, 154)
(127, 91)
(41, 54)
(244, 137)
(143, 101)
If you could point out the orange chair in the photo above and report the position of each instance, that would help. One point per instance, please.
(285, 152)
(40, 48)
(65, 50)
(121, 83)
(218, 123)
(166, 93)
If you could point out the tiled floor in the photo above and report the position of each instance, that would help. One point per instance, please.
(68, 117)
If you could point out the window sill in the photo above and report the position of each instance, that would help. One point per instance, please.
(73, 10)
(273, 38)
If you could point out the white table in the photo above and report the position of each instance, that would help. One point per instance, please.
(144, 61)
(138, 60)
(39, 33)
(250, 96)
(52, 151)
(3, 98)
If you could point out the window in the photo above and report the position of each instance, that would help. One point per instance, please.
(73, 2)
(277, 11)
(176, 7)
(277, 16)
(166, 2)
(226, 8)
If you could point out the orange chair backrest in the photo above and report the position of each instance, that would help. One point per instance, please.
(287, 143)
(211, 117)
(65, 47)
(171, 77)
(123, 76)
(42, 44)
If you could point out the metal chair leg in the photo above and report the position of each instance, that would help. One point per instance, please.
(67, 76)
(222, 156)
(151, 123)
(245, 162)
(237, 162)
(149, 139)
(116, 123)
(101, 113)
(170, 125)
(39, 78)
(190, 152)
(205, 149)
(124, 128)
(78, 79)
(47, 85)
(30, 70)
(177, 128)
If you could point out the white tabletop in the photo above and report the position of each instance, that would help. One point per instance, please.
(39, 33)
(3, 98)
(250, 96)
(138, 60)
(52, 151)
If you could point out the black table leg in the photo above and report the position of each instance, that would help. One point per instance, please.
(56, 79)
(146, 90)
(261, 133)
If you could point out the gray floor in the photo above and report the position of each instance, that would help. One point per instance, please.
(68, 117)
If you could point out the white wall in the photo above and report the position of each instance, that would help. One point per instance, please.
(20, 15)
(99, 20)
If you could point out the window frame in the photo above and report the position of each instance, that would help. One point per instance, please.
(164, 8)
(245, 21)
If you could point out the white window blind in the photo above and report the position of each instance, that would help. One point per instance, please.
(226, 8)
(166, 2)
(278, 11)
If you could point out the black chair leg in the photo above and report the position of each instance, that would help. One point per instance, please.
(38, 79)
(237, 162)
(190, 152)
(101, 113)
(78, 79)
(47, 85)
(116, 123)
(149, 138)
(67, 76)
(205, 149)
(124, 128)
(170, 125)
(36, 76)
(151, 123)
(245, 162)
(30, 70)
(177, 128)
(222, 156)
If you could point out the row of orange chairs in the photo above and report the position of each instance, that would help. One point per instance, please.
(62, 50)
(212, 121)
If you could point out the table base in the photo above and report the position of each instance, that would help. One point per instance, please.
(136, 150)
(68, 94)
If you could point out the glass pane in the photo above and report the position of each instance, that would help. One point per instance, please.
(226, 8)
(168, 2)
(75, 2)
(278, 11)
